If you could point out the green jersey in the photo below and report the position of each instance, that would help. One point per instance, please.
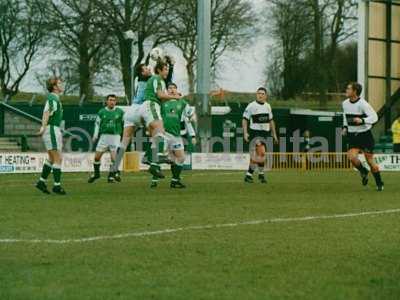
(54, 107)
(109, 121)
(153, 85)
(173, 112)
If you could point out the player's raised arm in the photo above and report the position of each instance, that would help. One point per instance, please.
(171, 62)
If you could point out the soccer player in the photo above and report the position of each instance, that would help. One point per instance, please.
(51, 132)
(108, 126)
(133, 118)
(258, 124)
(358, 119)
(173, 113)
(132, 121)
(143, 74)
(155, 95)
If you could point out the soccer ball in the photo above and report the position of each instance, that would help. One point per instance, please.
(156, 54)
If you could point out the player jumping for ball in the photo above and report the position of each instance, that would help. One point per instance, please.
(358, 119)
(258, 125)
(175, 113)
(149, 113)
(155, 95)
(132, 121)
(51, 132)
(108, 127)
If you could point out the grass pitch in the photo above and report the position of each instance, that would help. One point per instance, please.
(342, 258)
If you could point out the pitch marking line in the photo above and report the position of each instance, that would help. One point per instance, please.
(200, 227)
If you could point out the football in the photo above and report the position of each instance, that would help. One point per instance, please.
(156, 54)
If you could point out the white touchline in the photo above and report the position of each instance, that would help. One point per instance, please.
(199, 227)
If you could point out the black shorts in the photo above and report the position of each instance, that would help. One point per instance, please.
(259, 136)
(363, 141)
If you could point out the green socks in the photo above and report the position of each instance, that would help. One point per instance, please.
(157, 148)
(57, 174)
(176, 172)
(47, 167)
(96, 166)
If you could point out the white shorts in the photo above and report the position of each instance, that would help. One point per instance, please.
(150, 111)
(53, 138)
(108, 142)
(132, 116)
(174, 143)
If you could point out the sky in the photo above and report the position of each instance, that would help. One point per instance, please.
(239, 71)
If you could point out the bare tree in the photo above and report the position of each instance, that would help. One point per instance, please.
(60, 68)
(342, 19)
(289, 24)
(22, 31)
(309, 34)
(76, 36)
(231, 22)
(146, 18)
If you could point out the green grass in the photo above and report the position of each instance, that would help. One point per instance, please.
(348, 258)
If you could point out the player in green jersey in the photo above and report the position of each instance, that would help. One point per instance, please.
(108, 130)
(133, 119)
(155, 95)
(175, 112)
(51, 132)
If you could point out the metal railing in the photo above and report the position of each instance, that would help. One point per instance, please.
(302, 162)
(311, 161)
(31, 117)
(20, 139)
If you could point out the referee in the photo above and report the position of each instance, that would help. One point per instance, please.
(258, 124)
(358, 119)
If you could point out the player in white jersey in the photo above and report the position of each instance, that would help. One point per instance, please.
(132, 121)
(358, 119)
(258, 128)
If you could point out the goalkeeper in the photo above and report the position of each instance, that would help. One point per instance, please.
(175, 113)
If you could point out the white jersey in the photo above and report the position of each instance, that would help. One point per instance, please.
(358, 109)
(259, 115)
(132, 116)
